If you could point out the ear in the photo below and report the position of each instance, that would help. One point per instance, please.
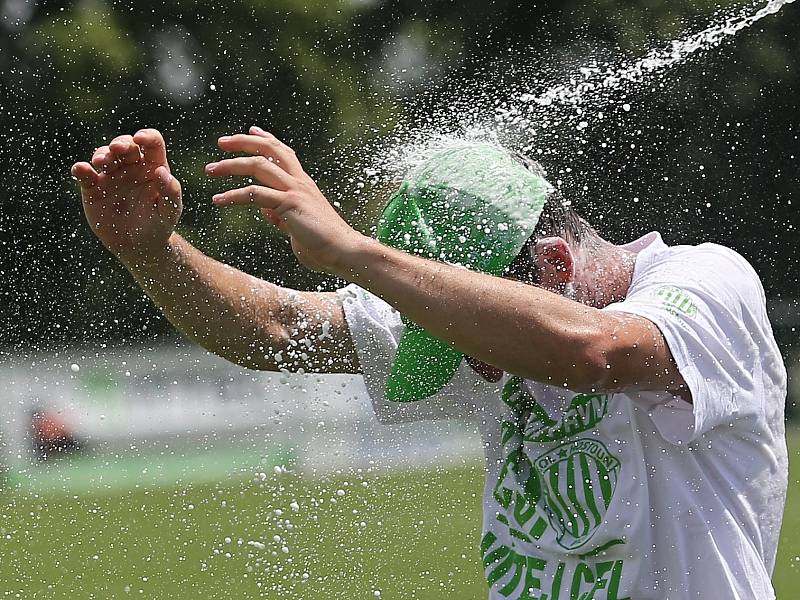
(555, 264)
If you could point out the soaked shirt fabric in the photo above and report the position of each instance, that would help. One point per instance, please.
(633, 496)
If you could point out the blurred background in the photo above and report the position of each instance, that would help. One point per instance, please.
(136, 464)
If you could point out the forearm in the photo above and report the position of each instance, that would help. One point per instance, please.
(228, 312)
(516, 327)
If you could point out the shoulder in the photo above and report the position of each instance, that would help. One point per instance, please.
(355, 298)
(707, 270)
(373, 323)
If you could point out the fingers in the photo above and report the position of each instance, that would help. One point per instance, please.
(260, 167)
(85, 174)
(252, 195)
(122, 150)
(168, 186)
(125, 150)
(265, 144)
(152, 145)
(101, 158)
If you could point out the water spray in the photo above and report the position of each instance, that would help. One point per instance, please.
(516, 123)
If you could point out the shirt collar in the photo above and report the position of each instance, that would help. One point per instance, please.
(646, 248)
(648, 240)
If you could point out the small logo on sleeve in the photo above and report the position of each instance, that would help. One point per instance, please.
(676, 301)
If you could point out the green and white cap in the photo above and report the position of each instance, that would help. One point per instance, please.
(473, 205)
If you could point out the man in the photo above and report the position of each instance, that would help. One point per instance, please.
(630, 401)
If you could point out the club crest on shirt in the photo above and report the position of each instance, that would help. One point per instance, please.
(554, 486)
(578, 482)
(567, 488)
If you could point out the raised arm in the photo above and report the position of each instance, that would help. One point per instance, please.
(133, 203)
(522, 329)
(516, 327)
(243, 319)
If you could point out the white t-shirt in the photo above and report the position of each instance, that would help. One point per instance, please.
(627, 496)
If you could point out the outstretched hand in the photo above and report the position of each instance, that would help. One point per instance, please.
(287, 196)
(131, 199)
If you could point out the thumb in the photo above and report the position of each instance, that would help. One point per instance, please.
(168, 186)
(274, 218)
(85, 174)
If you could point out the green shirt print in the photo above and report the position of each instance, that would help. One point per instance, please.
(565, 488)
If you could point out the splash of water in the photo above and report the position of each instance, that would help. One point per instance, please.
(595, 78)
(518, 123)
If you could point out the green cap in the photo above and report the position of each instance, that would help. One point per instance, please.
(474, 205)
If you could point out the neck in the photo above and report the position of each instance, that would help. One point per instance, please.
(604, 274)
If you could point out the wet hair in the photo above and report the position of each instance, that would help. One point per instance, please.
(558, 219)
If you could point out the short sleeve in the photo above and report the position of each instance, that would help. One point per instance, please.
(703, 301)
(376, 328)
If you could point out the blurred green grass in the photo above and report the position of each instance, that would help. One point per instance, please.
(411, 535)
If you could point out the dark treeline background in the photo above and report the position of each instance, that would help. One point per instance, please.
(707, 153)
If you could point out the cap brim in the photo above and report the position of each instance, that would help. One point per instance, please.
(422, 366)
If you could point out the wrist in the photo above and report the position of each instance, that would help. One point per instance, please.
(358, 259)
(147, 258)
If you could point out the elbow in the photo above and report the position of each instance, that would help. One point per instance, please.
(253, 360)
(595, 366)
(267, 352)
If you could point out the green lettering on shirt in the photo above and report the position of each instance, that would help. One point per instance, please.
(583, 580)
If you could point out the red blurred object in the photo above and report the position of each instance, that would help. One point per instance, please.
(51, 435)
